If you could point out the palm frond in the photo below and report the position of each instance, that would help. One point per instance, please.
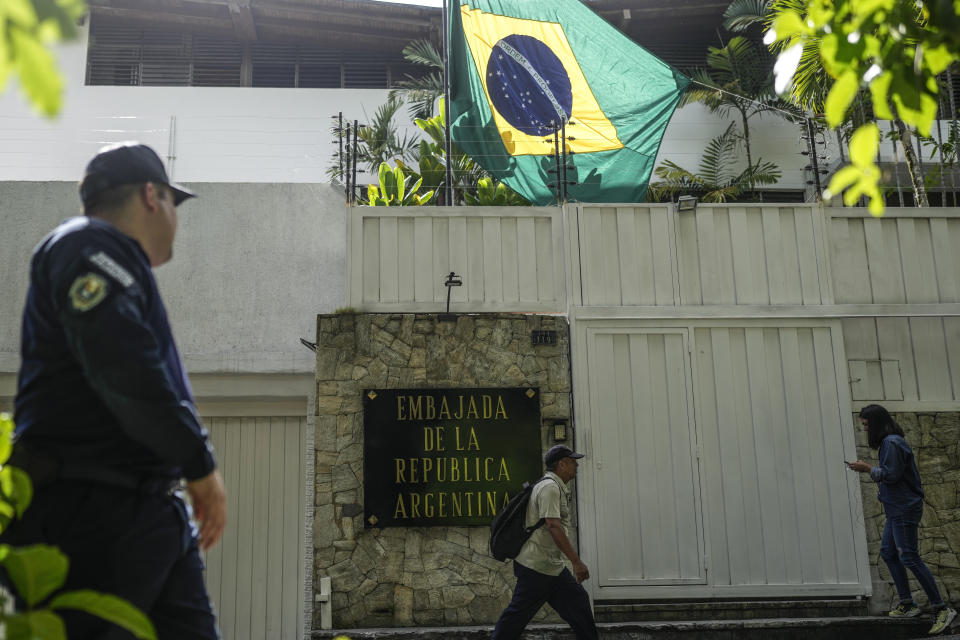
(718, 156)
(423, 52)
(743, 14)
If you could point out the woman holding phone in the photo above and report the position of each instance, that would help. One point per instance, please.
(901, 492)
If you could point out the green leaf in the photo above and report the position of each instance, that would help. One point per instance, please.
(17, 488)
(36, 571)
(843, 179)
(35, 625)
(20, 13)
(6, 429)
(37, 70)
(109, 607)
(937, 58)
(879, 90)
(864, 144)
(789, 24)
(842, 93)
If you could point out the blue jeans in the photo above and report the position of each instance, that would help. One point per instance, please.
(898, 548)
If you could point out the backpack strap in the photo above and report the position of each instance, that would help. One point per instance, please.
(529, 530)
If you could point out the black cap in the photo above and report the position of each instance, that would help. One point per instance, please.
(126, 163)
(558, 452)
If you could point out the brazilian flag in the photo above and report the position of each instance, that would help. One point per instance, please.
(520, 68)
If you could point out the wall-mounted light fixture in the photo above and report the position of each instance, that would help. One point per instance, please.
(453, 280)
(559, 431)
(686, 203)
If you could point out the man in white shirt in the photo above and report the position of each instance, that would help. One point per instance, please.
(541, 574)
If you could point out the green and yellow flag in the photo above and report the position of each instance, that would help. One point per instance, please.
(520, 68)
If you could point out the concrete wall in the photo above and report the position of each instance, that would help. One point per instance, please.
(406, 576)
(253, 263)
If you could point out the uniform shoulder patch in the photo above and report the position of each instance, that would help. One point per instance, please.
(87, 291)
(111, 268)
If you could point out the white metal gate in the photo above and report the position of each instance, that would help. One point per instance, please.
(761, 402)
(643, 459)
(255, 576)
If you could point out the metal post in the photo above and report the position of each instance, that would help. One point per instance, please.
(353, 183)
(953, 128)
(556, 157)
(943, 158)
(812, 146)
(563, 158)
(896, 166)
(340, 138)
(346, 174)
(445, 26)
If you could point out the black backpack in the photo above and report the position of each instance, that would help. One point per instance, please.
(508, 531)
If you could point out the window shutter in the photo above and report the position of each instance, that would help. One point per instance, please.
(216, 62)
(113, 55)
(274, 65)
(165, 59)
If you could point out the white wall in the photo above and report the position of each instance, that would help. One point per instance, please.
(243, 134)
(233, 134)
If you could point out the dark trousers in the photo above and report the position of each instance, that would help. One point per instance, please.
(533, 589)
(898, 548)
(139, 546)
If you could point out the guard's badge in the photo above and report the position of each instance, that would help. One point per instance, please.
(87, 291)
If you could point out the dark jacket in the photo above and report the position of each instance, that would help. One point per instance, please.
(101, 383)
(897, 477)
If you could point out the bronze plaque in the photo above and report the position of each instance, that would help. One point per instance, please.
(447, 456)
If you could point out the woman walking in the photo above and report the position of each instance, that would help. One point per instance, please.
(901, 493)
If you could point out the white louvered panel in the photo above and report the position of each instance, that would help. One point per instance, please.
(255, 575)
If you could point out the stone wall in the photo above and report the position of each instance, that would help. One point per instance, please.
(935, 439)
(418, 575)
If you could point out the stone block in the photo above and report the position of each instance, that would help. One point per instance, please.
(390, 568)
(324, 528)
(344, 479)
(413, 542)
(344, 576)
(479, 539)
(403, 606)
(364, 557)
(456, 596)
(328, 405)
(458, 537)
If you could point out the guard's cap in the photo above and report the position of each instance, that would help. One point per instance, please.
(558, 452)
(126, 163)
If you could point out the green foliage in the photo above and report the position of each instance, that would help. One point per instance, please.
(492, 193)
(738, 80)
(892, 48)
(421, 93)
(716, 180)
(27, 29)
(39, 571)
(395, 191)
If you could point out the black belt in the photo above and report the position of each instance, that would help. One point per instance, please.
(115, 478)
(45, 469)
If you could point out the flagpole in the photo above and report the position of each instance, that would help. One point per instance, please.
(446, 103)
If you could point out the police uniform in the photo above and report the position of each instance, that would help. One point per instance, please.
(106, 427)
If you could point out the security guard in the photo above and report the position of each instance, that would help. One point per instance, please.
(106, 423)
